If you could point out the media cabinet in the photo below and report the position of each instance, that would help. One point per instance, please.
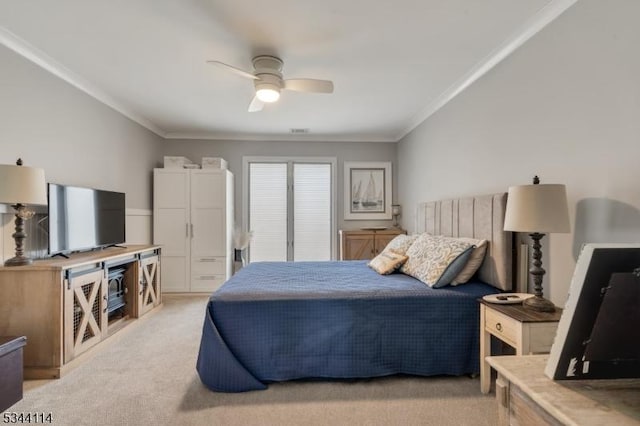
(67, 306)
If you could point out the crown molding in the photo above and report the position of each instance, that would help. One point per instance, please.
(530, 28)
(276, 137)
(38, 57)
(542, 18)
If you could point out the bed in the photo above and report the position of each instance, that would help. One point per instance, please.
(279, 321)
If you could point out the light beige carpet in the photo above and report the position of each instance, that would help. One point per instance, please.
(146, 375)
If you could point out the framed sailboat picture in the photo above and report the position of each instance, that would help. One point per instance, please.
(367, 190)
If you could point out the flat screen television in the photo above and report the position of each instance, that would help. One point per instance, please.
(84, 218)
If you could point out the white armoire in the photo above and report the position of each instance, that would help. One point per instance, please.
(193, 222)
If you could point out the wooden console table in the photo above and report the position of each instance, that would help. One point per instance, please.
(62, 305)
(527, 397)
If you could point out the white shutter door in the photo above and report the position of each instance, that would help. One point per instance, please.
(268, 211)
(311, 211)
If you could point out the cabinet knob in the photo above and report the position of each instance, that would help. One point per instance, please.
(499, 327)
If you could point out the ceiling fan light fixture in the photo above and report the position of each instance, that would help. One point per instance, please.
(268, 93)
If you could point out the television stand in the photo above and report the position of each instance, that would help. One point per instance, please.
(61, 255)
(114, 245)
(62, 305)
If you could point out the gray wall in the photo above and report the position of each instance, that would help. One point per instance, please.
(565, 106)
(73, 137)
(233, 151)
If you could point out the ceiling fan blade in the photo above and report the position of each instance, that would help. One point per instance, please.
(309, 85)
(256, 105)
(235, 70)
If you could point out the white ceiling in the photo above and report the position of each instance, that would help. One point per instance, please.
(392, 63)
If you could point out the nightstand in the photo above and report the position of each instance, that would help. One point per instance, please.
(526, 330)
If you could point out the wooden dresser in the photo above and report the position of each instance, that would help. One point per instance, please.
(527, 397)
(65, 307)
(365, 244)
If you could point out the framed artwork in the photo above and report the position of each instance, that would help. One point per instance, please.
(367, 190)
(598, 332)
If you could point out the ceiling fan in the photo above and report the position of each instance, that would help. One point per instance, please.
(268, 81)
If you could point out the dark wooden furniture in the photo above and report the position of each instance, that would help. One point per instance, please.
(11, 370)
(527, 330)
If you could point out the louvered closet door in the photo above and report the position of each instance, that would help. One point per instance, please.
(268, 211)
(311, 211)
(290, 211)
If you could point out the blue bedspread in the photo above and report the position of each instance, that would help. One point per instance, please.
(276, 321)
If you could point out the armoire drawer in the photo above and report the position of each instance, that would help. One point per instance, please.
(206, 283)
(208, 265)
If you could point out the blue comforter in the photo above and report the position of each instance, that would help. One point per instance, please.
(276, 321)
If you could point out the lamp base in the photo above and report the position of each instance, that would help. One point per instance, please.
(538, 303)
(18, 261)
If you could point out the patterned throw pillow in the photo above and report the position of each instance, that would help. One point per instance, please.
(474, 262)
(401, 243)
(387, 262)
(436, 260)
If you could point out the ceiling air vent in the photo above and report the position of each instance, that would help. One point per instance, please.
(298, 131)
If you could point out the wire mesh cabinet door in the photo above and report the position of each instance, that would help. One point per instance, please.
(149, 291)
(85, 312)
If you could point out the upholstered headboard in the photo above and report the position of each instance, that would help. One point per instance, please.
(480, 217)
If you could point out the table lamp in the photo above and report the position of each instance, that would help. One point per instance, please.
(395, 211)
(19, 186)
(537, 209)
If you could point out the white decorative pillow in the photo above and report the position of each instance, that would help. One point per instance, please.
(436, 260)
(400, 244)
(387, 262)
(474, 262)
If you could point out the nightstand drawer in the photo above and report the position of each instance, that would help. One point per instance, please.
(505, 328)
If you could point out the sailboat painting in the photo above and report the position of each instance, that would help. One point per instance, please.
(367, 190)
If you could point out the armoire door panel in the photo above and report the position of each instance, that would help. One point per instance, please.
(207, 190)
(171, 231)
(208, 232)
(171, 189)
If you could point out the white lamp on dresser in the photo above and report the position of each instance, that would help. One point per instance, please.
(21, 186)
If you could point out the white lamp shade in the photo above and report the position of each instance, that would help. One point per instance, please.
(538, 208)
(22, 185)
(395, 209)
